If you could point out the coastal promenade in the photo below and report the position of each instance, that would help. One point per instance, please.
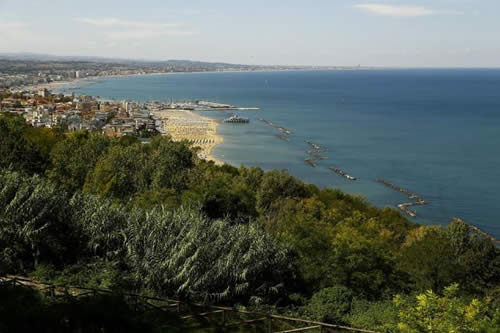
(189, 126)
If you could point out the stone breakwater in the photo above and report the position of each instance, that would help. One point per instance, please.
(405, 207)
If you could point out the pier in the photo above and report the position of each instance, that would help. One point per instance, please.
(342, 173)
(199, 106)
(235, 119)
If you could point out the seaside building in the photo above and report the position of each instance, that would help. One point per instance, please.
(43, 93)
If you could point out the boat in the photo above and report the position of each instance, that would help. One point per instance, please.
(236, 119)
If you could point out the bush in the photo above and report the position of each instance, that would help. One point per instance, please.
(381, 316)
(331, 304)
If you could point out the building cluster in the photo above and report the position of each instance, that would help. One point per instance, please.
(74, 113)
(20, 80)
(17, 73)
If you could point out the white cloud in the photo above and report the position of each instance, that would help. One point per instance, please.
(119, 29)
(389, 10)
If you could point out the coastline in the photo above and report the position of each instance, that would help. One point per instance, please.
(179, 124)
(196, 129)
(59, 84)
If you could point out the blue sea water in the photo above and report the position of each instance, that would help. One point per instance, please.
(435, 132)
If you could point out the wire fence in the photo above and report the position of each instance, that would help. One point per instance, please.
(220, 316)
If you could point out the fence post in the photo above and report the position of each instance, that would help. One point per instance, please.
(270, 325)
(223, 317)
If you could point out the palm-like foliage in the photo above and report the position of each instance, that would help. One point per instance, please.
(177, 252)
(33, 218)
(101, 222)
(182, 251)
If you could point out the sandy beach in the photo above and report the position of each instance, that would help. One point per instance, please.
(179, 124)
(187, 125)
(50, 86)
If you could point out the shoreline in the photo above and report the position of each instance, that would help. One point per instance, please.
(200, 131)
(59, 84)
(183, 125)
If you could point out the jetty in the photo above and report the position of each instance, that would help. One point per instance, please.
(283, 137)
(316, 146)
(478, 231)
(342, 173)
(405, 207)
(284, 133)
(316, 155)
(410, 195)
(212, 106)
(310, 162)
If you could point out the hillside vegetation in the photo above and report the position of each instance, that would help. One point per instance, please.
(81, 208)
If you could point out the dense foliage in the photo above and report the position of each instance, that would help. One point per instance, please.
(87, 209)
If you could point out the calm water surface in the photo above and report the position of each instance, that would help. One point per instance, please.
(435, 132)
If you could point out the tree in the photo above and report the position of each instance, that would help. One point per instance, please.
(17, 153)
(276, 185)
(172, 162)
(428, 257)
(478, 258)
(121, 172)
(75, 157)
(331, 304)
(430, 312)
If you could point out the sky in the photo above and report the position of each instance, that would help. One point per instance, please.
(396, 33)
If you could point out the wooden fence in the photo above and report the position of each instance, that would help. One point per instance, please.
(225, 317)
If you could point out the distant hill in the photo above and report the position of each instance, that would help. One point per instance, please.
(27, 56)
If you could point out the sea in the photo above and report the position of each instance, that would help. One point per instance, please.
(435, 132)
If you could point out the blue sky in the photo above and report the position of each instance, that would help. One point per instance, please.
(404, 33)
